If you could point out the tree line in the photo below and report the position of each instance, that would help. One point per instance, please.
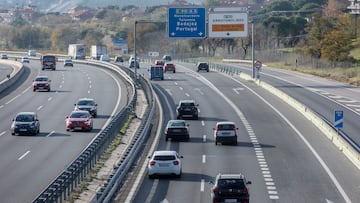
(322, 29)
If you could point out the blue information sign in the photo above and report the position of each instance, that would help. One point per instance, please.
(187, 22)
(339, 118)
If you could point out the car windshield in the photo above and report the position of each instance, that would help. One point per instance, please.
(67, 60)
(41, 79)
(231, 183)
(164, 157)
(79, 115)
(226, 127)
(86, 103)
(169, 64)
(25, 118)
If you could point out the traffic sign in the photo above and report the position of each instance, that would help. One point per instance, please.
(188, 22)
(258, 64)
(228, 24)
(339, 118)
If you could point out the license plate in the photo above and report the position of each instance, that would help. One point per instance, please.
(230, 200)
(78, 128)
(23, 130)
(163, 165)
(176, 130)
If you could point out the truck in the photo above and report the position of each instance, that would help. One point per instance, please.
(156, 71)
(48, 61)
(77, 51)
(97, 51)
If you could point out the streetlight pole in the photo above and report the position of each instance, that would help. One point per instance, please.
(135, 62)
(354, 10)
(252, 50)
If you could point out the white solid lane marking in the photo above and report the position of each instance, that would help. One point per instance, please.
(40, 107)
(202, 185)
(152, 191)
(203, 158)
(203, 123)
(186, 94)
(204, 138)
(181, 88)
(175, 83)
(22, 156)
(12, 99)
(1, 134)
(1, 106)
(50, 98)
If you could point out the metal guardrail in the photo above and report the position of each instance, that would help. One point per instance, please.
(63, 185)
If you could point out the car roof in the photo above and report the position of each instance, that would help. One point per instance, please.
(230, 176)
(80, 111)
(85, 98)
(41, 76)
(164, 153)
(26, 113)
(187, 101)
(225, 123)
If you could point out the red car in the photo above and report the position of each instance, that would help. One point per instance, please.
(79, 120)
(41, 83)
(159, 62)
(169, 67)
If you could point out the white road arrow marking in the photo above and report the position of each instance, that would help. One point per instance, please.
(238, 89)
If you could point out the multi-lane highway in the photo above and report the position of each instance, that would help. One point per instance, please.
(286, 157)
(30, 163)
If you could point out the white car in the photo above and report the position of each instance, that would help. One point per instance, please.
(25, 59)
(225, 132)
(164, 163)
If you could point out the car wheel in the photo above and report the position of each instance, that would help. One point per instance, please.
(34, 90)
(196, 117)
(216, 142)
(166, 138)
(151, 176)
(174, 71)
(12, 133)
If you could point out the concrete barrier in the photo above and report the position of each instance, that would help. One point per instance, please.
(14, 75)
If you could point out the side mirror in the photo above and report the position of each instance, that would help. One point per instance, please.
(181, 157)
(248, 182)
(211, 182)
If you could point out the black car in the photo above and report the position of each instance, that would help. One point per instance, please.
(230, 188)
(187, 109)
(202, 66)
(177, 130)
(25, 123)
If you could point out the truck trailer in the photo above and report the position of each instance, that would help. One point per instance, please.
(97, 51)
(77, 51)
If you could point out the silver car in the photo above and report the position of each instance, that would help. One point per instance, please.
(87, 104)
(25, 123)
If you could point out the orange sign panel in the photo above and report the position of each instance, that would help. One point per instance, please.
(228, 27)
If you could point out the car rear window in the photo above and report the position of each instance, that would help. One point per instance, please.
(79, 115)
(187, 104)
(231, 183)
(180, 124)
(226, 127)
(86, 103)
(165, 158)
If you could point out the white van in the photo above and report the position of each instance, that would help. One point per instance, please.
(31, 53)
(105, 57)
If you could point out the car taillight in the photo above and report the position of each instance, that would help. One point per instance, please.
(176, 163)
(245, 191)
(215, 190)
(152, 163)
(166, 130)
